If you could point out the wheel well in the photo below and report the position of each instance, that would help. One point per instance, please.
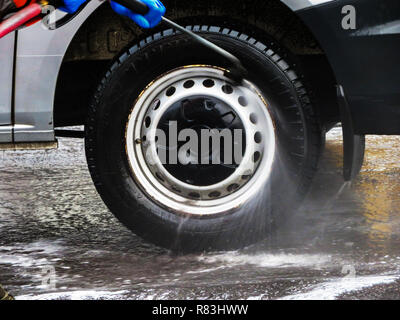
(104, 34)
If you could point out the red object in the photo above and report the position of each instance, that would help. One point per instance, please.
(33, 21)
(20, 3)
(20, 18)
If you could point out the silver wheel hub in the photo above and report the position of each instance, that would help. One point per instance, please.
(181, 195)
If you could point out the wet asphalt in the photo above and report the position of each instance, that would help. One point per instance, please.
(59, 241)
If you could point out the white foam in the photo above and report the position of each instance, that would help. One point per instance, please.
(330, 290)
(270, 260)
(76, 295)
(28, 255)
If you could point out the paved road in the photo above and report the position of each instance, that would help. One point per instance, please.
(344, 242)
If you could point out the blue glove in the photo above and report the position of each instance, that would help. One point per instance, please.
(71, 6)
(149, 20)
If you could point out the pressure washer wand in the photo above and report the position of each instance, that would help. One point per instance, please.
(237, 72)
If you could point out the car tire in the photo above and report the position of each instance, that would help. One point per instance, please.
(194, 224)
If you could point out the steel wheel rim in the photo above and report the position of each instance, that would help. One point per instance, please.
(178, 196)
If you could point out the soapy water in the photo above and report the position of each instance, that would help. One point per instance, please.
(340, 227)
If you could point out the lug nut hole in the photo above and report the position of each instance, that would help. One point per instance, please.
(156, 104)
(208, 83)
(233, 187)
(227, 89)
(170, 91)
(194, 195)
(147, 122)
(188, 84)
(159, 176)
(243, 101)
(253, 118)
(214, 194)
(176, 189)
(256, 156)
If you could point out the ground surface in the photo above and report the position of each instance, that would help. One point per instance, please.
(344, 243)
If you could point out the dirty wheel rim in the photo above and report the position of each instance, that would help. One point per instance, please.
(143, 147)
